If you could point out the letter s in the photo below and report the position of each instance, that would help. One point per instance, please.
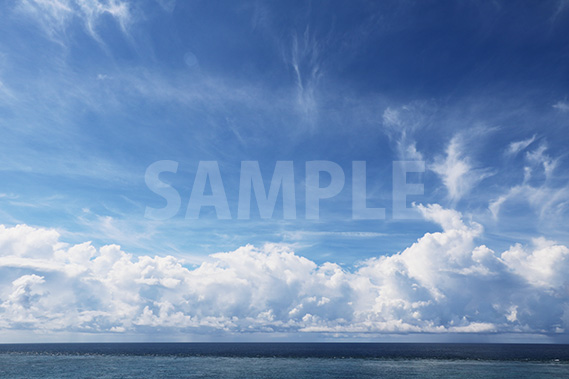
(173, 200)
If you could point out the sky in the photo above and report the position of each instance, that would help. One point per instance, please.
(131, 134)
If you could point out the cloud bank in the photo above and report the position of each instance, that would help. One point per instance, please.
(442, 283)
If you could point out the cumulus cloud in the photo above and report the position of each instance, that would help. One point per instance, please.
(444, 282)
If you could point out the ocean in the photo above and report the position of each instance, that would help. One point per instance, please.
(283, 360)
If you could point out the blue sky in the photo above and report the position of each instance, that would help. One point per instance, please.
(93, 92)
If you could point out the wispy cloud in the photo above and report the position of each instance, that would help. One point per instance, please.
(561, 7)
(92, 10)
(305, 62)
(515, 147)
(562, 105)
(54, 16)
(547, 202)
(167, 5)
(6, 95)
(303, 234)
(401, 124)
(546, 199)
(457, 172)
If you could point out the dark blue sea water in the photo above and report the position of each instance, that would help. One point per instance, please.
(283, 360)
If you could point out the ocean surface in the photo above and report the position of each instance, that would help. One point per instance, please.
(283, 360)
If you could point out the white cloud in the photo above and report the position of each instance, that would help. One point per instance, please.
(401, 124)
(91, 10)
(303, 234)
(538, 157)
(305, 62)
(51, 15)
(54, 16)
(456, 171)
(547, 200)
(562, 5)
(562, 105)
(515, 147)
(167, 5)
(5, 93)
(442, 283)
(545, 265)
